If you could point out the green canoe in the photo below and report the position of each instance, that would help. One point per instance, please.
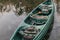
(37, 23)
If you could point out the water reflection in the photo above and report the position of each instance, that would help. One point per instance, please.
(8, 24)
(8, 7)
(9, 21)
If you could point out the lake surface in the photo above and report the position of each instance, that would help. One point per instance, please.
(9, 22)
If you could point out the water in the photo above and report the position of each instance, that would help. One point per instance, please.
(8, 24)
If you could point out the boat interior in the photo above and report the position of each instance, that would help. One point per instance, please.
(38, 17)
(48, 2)
(26, 33)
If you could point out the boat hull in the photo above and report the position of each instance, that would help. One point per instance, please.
(41, 34)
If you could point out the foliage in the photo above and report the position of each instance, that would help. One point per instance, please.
(30, 4)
